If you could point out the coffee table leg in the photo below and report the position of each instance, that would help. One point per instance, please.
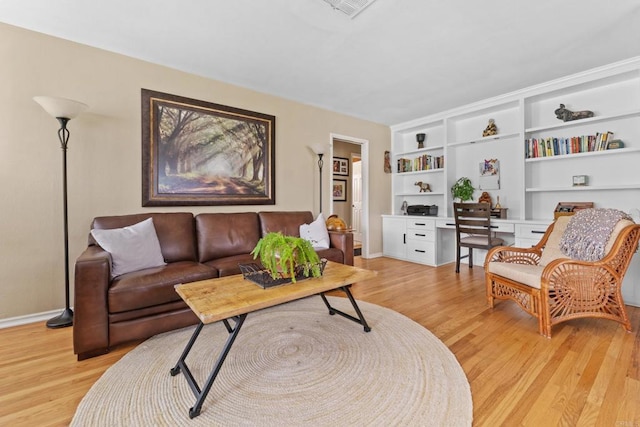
(176, 369)
(201, 395)
(360, 319)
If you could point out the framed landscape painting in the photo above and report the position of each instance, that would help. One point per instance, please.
(200, 153)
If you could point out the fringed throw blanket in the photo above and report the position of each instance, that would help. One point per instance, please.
(588, 232)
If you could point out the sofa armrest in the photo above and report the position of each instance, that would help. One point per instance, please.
(91, 317)
(343, 240)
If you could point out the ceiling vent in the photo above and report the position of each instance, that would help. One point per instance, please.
(351, 8)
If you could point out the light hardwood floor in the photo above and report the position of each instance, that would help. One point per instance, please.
(587, 374)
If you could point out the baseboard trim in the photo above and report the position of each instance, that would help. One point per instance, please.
(29, 318)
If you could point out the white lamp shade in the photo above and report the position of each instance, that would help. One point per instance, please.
(318, 148)
(60, 107)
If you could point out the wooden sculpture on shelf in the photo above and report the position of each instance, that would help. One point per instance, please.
(485, 198)
(491, 129)
(567, 115)
(424, 187)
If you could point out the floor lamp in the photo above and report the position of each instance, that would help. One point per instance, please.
(63, 110)
(319, 150)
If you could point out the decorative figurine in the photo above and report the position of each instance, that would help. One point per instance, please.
(485, 198)
(424, 187)
(420, 137)
(567, 115)
(405, 207)
(491, 129)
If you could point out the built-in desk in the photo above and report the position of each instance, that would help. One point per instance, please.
(431, 240)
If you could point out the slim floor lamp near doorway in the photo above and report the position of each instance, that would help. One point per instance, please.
(63, 110)
(319, 150)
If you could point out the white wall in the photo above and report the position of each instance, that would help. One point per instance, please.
(105, 154)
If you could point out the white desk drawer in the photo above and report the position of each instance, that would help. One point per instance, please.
(421, 224)
(495, 226)
(422, 252)
(425, 235)
(530, 231)
(502, 228)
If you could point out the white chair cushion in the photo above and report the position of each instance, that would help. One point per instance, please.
(522, 273)
(482, 240)
(552, 248)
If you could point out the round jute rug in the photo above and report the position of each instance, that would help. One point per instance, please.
(290, 365)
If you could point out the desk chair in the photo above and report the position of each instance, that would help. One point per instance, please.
(473, 229)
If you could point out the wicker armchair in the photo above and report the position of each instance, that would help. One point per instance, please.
(562, 289)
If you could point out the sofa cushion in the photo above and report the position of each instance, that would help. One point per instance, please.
(222, 235)
(153, 286)
(132, 248)
(228, 266)
(316, 233)
(526, 274)
(332, 254)
(176, 232)
(286, 222)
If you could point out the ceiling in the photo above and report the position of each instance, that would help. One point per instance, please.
(396, 61)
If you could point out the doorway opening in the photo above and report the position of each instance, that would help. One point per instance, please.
(352, 207)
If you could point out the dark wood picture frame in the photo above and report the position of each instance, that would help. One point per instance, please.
(197, 153)
(339, 190)
(340, 166)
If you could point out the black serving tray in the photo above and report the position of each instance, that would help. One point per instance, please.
(258, 275)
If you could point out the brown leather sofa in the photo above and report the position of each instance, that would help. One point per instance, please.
(143, 303)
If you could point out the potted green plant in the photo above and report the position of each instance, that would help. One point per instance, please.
(281, 254)
(463, 189)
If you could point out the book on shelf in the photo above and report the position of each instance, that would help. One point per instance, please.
(548, 147)
(420, 163)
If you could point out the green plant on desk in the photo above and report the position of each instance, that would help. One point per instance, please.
(281, 254)
(463, 189)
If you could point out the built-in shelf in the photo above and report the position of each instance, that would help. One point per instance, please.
(618, 151)
(582, 122)
(584, 188)
(419, 151)
(430, 193)
(485, 139)
(420, 172)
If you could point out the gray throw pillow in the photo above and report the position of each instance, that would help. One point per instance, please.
(132, 248)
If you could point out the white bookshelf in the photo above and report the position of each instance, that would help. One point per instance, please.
(531, 187)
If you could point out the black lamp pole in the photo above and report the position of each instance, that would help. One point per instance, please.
(63, 110)
(66, 317)
(320, 163)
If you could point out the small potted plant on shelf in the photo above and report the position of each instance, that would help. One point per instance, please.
(281, 255)
(462, 189)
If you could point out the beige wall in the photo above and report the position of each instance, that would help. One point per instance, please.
(105, 156)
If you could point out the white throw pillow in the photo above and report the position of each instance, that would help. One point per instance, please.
(132, 248)
(316, 233)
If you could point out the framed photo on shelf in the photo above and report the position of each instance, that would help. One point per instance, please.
(340, 166)
(339, 190)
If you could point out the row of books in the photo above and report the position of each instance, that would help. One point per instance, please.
(420, 163)
(545, 147)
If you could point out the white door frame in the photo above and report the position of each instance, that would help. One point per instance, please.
(364, 153)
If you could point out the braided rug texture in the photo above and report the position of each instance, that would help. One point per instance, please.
(291, 365)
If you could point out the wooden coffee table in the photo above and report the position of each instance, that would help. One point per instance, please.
(234, 297)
